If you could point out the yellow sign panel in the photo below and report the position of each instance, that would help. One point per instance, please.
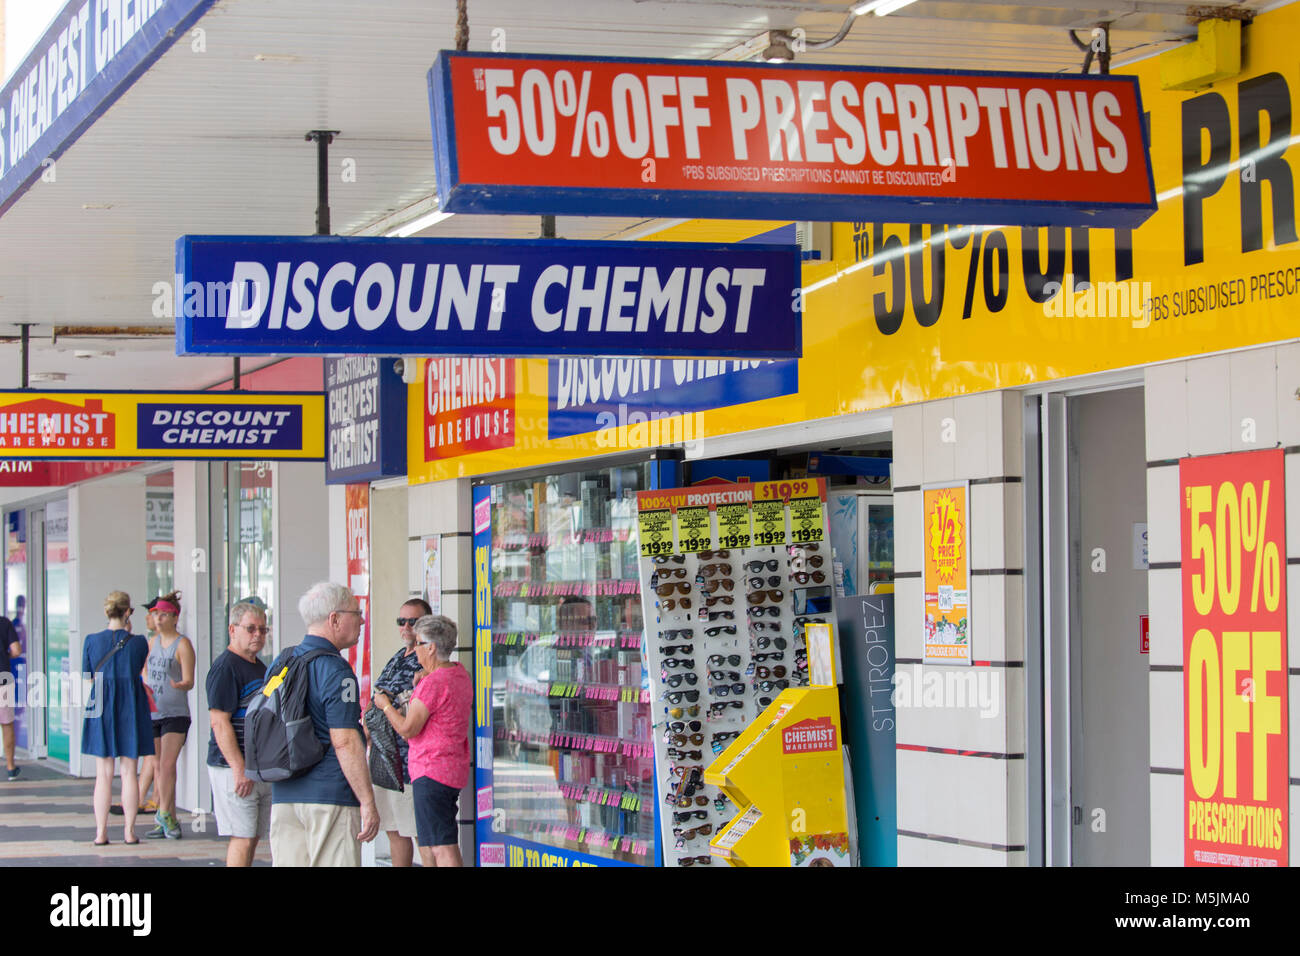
(176, 425)
(694, 532)
(909, 313)
(655, 532)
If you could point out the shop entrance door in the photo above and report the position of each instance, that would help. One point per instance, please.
(1109, 718)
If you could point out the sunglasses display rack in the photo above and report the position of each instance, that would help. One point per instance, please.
(724, 634)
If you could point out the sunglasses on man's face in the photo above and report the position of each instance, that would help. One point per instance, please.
(404, 621)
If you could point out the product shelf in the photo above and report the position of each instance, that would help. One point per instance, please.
(620, 693)
(521, 542)
(605, 587)
(590, 743)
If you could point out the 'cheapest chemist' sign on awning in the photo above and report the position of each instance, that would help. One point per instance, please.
(248, 295)
(183, 425)
(631, 137)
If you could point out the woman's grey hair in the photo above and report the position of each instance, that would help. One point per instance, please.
(321, 600)
(440, 631)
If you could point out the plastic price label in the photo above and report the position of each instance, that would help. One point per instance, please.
(656, 532)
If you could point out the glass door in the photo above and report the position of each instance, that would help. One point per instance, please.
(57, 606)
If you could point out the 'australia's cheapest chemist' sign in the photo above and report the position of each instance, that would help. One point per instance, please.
(246, 295)
(134, 425)
(598, 136)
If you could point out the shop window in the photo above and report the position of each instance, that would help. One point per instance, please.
(159, 547)
(572, 757)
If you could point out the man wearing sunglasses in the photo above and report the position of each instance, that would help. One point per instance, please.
(399, 677)
(242, 806)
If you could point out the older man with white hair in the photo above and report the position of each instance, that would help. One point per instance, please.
(322, 817)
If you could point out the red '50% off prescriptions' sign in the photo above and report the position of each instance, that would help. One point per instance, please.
(1234, 658)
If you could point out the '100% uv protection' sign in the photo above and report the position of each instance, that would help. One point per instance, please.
(1234, 658)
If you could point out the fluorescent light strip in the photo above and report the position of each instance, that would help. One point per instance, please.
(881, 8)
(417, 225)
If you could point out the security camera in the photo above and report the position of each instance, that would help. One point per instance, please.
(399, 368)
(406, 369)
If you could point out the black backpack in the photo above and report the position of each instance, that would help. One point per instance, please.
(279, 740)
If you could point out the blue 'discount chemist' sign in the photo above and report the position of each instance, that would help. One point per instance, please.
(248, 295)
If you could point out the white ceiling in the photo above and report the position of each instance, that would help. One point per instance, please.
(212, 142)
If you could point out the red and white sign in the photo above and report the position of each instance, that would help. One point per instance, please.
(809, 736)
(653, 126)
(42, 422)
(469, 406)
(1144, 634)
(357, 505)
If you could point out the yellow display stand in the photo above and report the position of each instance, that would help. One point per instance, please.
(785, 774)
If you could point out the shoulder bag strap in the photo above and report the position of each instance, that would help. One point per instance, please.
(126, 636)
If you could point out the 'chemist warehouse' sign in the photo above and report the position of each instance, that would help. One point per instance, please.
(135, 425)
(88, 57)
(631, 137)
(250, 295)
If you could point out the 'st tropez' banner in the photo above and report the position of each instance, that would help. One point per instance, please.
(136, 425)
(258, 295)
(532, 134)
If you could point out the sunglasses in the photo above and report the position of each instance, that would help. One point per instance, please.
(717, 660)
(678, 662)
(720, 599)
(772, 581)
(676, 680)
(720, 615)
(677, 649)
(719, 708)
(682, 632)
(694, 771)
(756, 626)
(680, 712)
(710, 555)
(763, 611)
(708, 587)
(680, 726)
(704, 829)
(667, 590)
(661, 573)
(759, 658)
(403, 621)
(676, 800)
(803, 577)
(679, 740)
(722, 690)
(665, 558)
(720, 629)
(685, 816)
(673, 603)
(712, 570)
(725, 675)
(726, 735)
(766, 685)
(758, 597)
(676, 754)
(675, 697)
(812, 560)
(692, 860)
(756, 567)
(802, 621)
(777, 642)
(764, 701)
(777, 671)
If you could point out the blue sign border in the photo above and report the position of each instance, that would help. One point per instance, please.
(454, 196)
(171, 21)
(359, 344)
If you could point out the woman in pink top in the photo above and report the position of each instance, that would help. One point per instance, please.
(437, 725)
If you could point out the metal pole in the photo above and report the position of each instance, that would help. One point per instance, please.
(24, 332)
(234, 378)
(322, 138)
(548, 227)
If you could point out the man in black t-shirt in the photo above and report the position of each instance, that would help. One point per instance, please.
(9, 646)
(242, 806)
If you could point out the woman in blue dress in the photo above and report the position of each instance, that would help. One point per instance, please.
(117, 724)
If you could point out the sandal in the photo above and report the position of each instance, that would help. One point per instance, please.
(97, 843)
(132, 842)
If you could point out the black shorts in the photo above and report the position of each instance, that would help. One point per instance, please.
(170, 725)
(435, 813)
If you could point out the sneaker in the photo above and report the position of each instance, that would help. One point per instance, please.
(173, 826)
(13, 774)
(159, 830)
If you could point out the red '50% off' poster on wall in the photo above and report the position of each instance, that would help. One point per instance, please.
(1234, 659)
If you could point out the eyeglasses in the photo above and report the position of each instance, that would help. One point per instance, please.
(758, 597)
(678, 662)
(256, 630)
(778, 642)
(666, 590)
(692, 860)
(710, 555)
(777, 671)
(717, 660)
(679, 726)
(678, 649)
(802, 577)
(676, 754)
(756, 567)
(675, 697)
(720, 629)
(684, 816)
(676, 680)
(679, 712)
(403, 621)
(347, 610)
(724, 675)
(722, 690)
(665, 558)
(708, 587)
(674, 603)
(763, 611)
